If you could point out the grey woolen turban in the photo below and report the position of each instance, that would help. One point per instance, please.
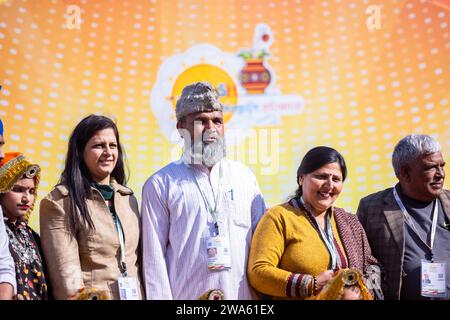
(197, 97)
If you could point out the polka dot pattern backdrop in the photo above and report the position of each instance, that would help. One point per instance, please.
(363, 89)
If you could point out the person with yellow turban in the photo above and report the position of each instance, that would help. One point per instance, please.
(19, 180)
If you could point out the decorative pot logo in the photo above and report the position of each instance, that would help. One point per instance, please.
(255, 77)
(246, 84)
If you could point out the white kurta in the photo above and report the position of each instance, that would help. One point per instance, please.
(7, 268)
(176, 225)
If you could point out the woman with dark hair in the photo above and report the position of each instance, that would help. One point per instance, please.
(19, 180)
(89, 222)
(298, 246)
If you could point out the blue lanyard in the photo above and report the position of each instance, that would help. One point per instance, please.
(409, 221)
(213, 211)
(121, 235)
(327, 238)
(123, 265)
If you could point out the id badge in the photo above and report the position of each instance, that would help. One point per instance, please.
(218, 253)
(128, 288)
(433, 279)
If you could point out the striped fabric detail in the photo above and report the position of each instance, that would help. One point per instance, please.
(299, 285)
(292, 281)
(342, 261)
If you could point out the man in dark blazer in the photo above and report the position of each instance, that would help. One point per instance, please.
(398, 243)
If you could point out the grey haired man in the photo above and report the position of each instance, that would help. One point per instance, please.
(408, 225)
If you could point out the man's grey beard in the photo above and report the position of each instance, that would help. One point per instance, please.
(207, 154)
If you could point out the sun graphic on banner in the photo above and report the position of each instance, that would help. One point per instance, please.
(203, 62)
(220, 79)
(245, 82)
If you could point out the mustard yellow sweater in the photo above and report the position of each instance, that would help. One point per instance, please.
(284, 245)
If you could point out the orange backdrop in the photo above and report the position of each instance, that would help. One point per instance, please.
(363, 89)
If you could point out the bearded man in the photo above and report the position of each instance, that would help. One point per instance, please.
(199, 202)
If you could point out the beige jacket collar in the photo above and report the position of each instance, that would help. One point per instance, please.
(62, 188)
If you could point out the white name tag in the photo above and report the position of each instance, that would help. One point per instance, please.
(218, 253)
(128, 289)
(433, 279)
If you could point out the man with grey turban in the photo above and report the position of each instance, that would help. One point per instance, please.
(201, 203)
(408, 225)
(197, 105)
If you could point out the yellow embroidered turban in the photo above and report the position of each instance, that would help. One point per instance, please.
(15, 167)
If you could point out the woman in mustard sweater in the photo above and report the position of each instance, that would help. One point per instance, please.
(298, 245)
